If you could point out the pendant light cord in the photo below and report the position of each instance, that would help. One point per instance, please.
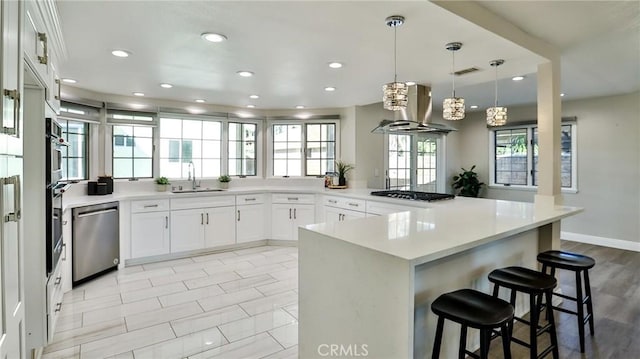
(395, 54)
(496, 91)
(453, 74)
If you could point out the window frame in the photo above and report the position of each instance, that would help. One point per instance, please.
(529, 186)
(154, 157)
(85, 153)
(441, 146)
(257, 145)
(311, 121)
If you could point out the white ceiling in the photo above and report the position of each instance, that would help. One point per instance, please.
(288, 45)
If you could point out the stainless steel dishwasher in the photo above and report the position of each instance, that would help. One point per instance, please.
(96, 247)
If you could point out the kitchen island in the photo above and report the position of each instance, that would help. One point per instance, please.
(366, 285)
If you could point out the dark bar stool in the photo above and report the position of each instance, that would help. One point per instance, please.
(474, 309)
(579, 264)
(536, 284)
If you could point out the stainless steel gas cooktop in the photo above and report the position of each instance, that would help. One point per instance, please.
(413, 195)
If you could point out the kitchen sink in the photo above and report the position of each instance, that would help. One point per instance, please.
(197, 190)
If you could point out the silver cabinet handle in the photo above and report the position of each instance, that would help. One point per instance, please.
(332, 201)
(294, 213)
(292, 198)
(58, 280)
(249, 199)
(58, 306)
(64, 250)
(15, 181)
(166, 221)
(150, 206)
(354, 204)
(44, 59)
(201, 218)
(238, 215)
(207, 217)
(58, 97)
(14, 95)
(289, 213)
(64, 223)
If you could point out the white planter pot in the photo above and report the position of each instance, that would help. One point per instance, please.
(224, 185)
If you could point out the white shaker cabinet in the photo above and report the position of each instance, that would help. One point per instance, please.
(202, 222)
(187, 230)
(150, 228)
(290, 211)
(219, 226)
(337, 209)
(250, 218)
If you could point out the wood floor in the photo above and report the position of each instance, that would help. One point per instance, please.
(615, 285)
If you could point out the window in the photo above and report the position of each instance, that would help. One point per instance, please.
(132, 151)
(317, 141)
(74, 156)
(242, 149)
(413, 161)
(185, 142)
(515, 156)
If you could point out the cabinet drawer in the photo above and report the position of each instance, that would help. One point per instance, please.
(345, 203)
(152, 205)
(249, 199)
(54, 300)
(293, 198)
(203, 202)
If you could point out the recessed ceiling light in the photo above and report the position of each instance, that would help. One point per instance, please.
(474, 106)
(561, 95)
(329, 88)
(335, 65)
(517, 78)
(254, 97)
(213, 37)
(166, 86)
(120, 53)
(245, 73)
(410, 83)
(138, 94)
(199, 100)
(69, 81)
(299, 107)
(251, 106)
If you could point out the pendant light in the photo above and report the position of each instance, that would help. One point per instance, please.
(496, 116)
(395, 94)
(453, 107)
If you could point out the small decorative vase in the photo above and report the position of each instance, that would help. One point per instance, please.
(224, 185)
(162, 187)
(342, 181)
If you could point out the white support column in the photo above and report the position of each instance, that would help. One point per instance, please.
(549, 150)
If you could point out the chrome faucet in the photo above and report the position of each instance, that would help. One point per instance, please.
(192, 179)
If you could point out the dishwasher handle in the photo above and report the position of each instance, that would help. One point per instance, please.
(95, 213)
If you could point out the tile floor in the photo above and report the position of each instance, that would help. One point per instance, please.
(241, 304)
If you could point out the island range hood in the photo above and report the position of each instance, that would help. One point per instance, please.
(416, 117)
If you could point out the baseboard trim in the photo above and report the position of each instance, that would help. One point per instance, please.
(601, 241)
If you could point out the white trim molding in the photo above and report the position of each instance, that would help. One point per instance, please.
(601, 241)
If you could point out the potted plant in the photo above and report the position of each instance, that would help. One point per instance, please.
(466, 183)
(343, 168)
(224, 181)
(162, 184)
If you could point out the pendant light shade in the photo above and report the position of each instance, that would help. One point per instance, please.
(395, 94)
(453, 107)
(496, 116)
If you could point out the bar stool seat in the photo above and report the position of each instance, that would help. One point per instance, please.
(580, 264)
(536, 285)
(474, 309)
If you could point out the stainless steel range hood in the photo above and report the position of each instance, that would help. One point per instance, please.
(416, 118)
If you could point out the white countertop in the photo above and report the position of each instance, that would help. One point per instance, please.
(73, 201)
(445, 228)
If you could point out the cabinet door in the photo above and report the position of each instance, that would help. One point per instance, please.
(347, 215)
(35, 43)
(11, 91)
(220, 226)
(187, 230)
(281, 221)
(303, 214)
(149, 234)
(250, 223)
(332, 214)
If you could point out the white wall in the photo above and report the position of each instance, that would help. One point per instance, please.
(608, 135)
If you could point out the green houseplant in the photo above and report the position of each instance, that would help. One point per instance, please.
(224, 181)
(162, 184)
(343, 168)
(466, 183)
